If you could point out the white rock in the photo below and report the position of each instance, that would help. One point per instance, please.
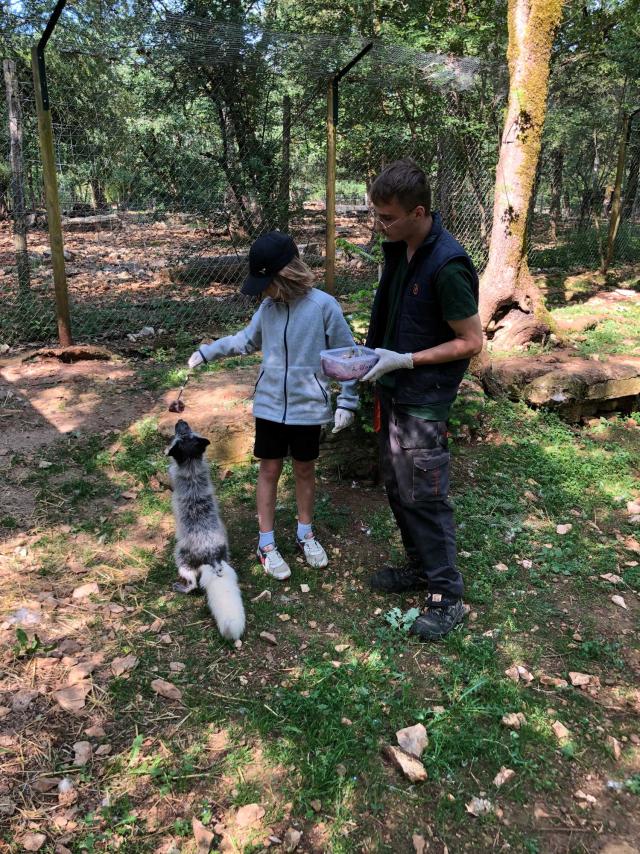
(413, 739)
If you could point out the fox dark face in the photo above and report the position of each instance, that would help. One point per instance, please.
(186, 445)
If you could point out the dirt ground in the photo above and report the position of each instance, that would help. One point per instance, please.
(68, 576)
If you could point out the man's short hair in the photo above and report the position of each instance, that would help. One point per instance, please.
(405, 181)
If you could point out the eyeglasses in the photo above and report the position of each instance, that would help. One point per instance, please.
(377, 218)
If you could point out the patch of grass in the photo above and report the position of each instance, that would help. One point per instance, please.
(142, 453)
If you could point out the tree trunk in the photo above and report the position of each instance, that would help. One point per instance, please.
(633, 176)
(17, 175)
(555, 209)
(444, 180)
(511, 305)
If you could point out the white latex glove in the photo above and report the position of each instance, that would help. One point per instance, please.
(343, 418)
(389, 361)
(195, 359)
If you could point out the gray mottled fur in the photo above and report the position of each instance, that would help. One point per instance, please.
(202, 551)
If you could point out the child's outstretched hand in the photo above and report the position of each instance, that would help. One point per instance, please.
(343, 418)
(195, 359)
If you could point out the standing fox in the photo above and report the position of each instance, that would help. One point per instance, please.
(202, 550)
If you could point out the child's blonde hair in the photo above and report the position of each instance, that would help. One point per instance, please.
(293, 281)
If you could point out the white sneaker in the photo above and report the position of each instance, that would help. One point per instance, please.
(273, 562)
(314, 554)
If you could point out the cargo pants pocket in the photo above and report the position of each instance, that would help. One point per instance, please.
(430, 475)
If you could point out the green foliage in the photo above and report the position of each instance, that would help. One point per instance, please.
(400, 620)
(24, 647)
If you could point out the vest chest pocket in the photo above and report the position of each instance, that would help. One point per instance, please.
(431, 475)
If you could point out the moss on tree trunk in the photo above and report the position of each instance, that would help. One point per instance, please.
(511, 306)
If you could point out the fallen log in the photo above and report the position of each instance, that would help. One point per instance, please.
(227, 269)
(101, 222)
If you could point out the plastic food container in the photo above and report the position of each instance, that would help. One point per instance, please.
(348, 363)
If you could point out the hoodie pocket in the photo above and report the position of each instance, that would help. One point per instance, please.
(255, 388)
(322, 389)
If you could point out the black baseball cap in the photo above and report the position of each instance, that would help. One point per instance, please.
(267, 256)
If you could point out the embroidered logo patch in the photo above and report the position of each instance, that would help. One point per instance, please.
(415, 290)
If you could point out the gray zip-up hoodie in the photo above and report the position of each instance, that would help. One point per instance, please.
(291, 388)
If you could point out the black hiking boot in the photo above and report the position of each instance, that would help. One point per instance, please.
(391, 579)
(436, 621)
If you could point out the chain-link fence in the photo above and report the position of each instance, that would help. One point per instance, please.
(173, 154)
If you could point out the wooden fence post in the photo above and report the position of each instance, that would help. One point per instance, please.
(330, 252)
(45, 135)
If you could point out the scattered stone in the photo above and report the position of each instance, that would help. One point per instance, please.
(284, 618)
(95, 731)
(518, 673)
(514, 720)
(316, 805)
(413, 739)
(103, 750)
(22, 700)
(203, 837)
(291, 839)
(578, 680)
(269, 638)
(342, 647)
(166, 689)
(479, 806)
(614, 745)
(88, 589)
(304, 588)
(265, 596)
(579, 795)
(249, 815)
(619, 600)
(409, 765)
(564, 529)
(176, 666)
(503, 776)
(82, 753)
(501, 567)
(560, 730)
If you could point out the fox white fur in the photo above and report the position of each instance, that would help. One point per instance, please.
(202, 550)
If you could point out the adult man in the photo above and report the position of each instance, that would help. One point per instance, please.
(425, 328)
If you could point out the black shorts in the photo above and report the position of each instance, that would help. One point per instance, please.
(276, 441)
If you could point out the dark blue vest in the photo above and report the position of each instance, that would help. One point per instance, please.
(420, 324)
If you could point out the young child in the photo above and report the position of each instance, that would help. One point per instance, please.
(292, 397)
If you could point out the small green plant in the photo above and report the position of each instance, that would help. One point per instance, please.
(633, 784)
(403, 621)
(26, 646)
